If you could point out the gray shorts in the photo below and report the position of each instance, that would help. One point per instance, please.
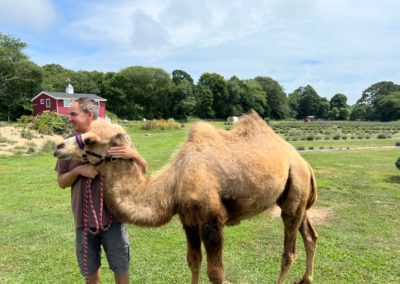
(116, 246)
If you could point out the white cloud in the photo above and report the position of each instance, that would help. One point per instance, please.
(335, 46)
(147, 33)
(31, 15)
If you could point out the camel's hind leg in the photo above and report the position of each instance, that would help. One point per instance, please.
(310, 241)
(291, 223)
(193, 251)
(212, 237)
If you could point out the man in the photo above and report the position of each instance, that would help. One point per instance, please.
(74, 174)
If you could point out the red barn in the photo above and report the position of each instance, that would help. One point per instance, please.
(59, 102)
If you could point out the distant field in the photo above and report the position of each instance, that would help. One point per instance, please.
(359, 233)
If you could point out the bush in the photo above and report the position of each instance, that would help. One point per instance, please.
(31, 148)
(48, 147)
(51, 123)
(381, 136)
(397, 163)
(26, 119)
(161, 124)
(397, 144)
(25, 133)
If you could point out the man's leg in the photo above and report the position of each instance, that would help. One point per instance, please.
(95, 278)
(93, 255)
(116, 245)
(122, 278)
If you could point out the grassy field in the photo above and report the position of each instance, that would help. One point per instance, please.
(359, 238)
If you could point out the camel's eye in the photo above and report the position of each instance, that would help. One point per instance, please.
(90, 141)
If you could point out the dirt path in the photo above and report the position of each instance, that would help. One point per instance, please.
(348, 148)
(317, 215)
(12, 142)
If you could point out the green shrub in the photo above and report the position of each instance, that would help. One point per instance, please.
(397, 163)
(161, 124)
(397, 144)
(26, 119)
(31, 148)
(51, 123)
(48, 147)
(381, 136)
(25, 133)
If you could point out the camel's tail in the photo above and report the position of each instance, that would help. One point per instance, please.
(313, 193)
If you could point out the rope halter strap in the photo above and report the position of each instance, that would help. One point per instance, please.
(79, 140)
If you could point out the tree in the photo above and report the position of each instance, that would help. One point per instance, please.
(333, 114)
(254, 97)
(323, 110)
(338, 101)
(388, 106)
(179, 76)
(378, 89)
(277, 107)
(309, 102)
(360, 111)
(86, 82)
(181, 101)
(141, 92)
(55, 76)
(20, 79)
(344, 113)
(236, 92)
(216, 84)
(293, 103)
(204, 102)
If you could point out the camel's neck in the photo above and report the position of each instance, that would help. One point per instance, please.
(135, 198)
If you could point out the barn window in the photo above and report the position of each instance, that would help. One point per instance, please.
(67, 103)
(48, 103)
(42, 101)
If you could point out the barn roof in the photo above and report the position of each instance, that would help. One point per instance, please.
(62, 96)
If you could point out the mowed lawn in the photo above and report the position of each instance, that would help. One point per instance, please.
(359, 194)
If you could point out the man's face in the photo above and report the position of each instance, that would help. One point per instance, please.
(79, 119)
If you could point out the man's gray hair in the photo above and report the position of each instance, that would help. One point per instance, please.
(87, 105)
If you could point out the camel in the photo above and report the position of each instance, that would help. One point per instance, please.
(217, 178)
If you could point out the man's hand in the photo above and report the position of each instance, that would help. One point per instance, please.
(87, 170)
(123, 152)
(128, 152)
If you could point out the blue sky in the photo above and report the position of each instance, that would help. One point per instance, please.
(336, 46)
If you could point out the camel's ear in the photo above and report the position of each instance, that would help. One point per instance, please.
(120, 139)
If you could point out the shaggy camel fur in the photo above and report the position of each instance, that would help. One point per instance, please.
(217, 178)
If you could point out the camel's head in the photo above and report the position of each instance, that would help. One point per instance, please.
(92, 146)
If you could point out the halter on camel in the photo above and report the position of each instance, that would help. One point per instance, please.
(88, 202)
(102, 158)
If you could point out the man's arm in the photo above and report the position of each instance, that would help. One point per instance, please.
(67, 179)
(128, 152)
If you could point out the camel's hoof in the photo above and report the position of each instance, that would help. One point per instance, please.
(304, 281)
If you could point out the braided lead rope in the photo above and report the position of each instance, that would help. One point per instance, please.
(88, 201)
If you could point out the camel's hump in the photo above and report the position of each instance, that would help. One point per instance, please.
(248, 125)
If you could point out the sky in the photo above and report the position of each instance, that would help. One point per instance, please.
(336, 46)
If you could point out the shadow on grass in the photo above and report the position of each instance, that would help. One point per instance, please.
(394, 179)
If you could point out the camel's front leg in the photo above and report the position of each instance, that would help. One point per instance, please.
(193, 251)
(211, 234)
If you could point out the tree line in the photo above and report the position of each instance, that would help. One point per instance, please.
(138, 92)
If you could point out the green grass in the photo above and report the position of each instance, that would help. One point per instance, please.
(359, 242)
